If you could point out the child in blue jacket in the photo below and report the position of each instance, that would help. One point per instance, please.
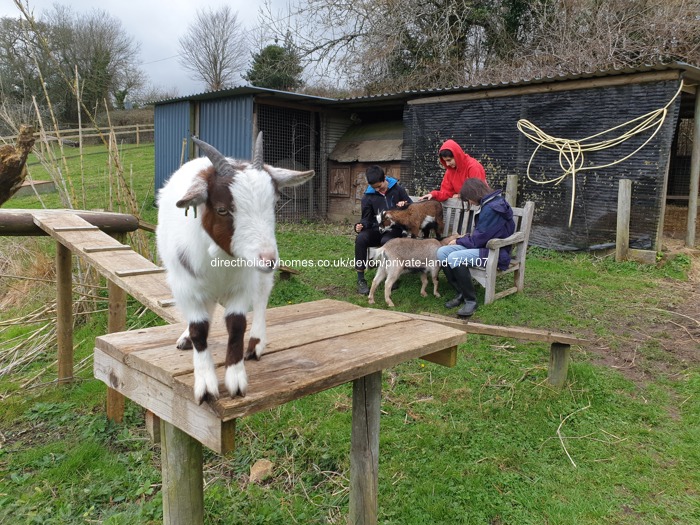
(494, 221)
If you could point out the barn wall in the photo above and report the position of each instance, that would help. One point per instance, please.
(172, 126)
(486, 129)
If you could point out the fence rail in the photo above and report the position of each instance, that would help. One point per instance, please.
(74, 135)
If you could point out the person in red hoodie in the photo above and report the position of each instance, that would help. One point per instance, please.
(458, 167)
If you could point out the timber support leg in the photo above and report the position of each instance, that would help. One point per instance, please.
(116, 322)
(64, 312)
(183, 479)
(558, 364)
(364, 449)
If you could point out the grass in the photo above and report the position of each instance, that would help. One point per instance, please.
(485, 442)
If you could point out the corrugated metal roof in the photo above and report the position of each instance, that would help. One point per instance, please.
(691, 71)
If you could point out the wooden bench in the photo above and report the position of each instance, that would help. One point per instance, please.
(311, 347)
(459, 219)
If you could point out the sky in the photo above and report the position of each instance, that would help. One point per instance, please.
(156, 25)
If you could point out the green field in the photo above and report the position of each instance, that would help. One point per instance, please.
(485, 442)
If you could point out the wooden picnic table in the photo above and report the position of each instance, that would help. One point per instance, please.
(311, 347)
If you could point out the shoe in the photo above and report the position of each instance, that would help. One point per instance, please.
(468, 309)
(362, 287)
(454, 303)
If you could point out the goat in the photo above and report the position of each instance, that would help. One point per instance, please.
(224, 251)
(416, 217)
(401, 254)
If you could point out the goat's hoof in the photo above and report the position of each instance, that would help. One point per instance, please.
(437, 294)
(236, 380)
(371, 301)
(425, 294)
(390, 304)
(184, 343)
(255, 349)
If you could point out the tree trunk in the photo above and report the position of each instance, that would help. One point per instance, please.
(12, 160)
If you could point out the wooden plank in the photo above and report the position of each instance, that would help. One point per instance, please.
(364, 449)
(139, 271)
(165, 363)
(199, 421)
(62, 229)
(119, 345)
(515, 332)
(284, 376)
(108, 248)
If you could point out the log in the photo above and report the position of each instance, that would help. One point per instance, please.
(16, 222)
(12, 163)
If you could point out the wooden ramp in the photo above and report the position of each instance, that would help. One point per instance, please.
(132, 272)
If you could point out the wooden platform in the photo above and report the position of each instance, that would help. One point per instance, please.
(311, 347)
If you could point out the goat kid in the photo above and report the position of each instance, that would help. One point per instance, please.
(417, 217)
(403, 254)
(232, 218)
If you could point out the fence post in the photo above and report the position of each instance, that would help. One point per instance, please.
(512, 189)
(116, 322)
(624, 204)
(694, 177)
(64, 312)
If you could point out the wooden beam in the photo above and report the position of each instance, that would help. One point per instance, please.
(364, 449)
(558, 364)
(183, 480)
(116, 322)
(694, 176)
(624, 206)
(64, 312)
(447, 357)
(551, 87)
(15, 222)
(515, 332)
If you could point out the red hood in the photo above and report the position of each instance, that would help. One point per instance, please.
(459, 155)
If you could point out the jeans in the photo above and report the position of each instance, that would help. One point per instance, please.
(455, 255)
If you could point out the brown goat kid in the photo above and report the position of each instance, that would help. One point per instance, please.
(402, 254)
(421, 216)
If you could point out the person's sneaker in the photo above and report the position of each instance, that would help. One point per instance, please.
(362, 287)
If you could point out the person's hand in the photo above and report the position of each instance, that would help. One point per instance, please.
(453, 241)
(427, 197)
(401, 204)
(358, 227)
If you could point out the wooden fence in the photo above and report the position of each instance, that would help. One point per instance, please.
(74, 136)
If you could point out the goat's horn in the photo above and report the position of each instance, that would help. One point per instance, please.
(221, 165)
(258, 153)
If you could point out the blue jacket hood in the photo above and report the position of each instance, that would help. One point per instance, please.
(391, 180)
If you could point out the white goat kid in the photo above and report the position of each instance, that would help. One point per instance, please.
(222, 251)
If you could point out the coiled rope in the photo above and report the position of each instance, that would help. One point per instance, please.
(571, 152)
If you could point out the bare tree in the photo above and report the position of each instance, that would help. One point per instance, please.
(214, 47)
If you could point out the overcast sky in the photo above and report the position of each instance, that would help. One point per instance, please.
(156, 25)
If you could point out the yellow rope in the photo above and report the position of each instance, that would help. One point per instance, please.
(571, 152)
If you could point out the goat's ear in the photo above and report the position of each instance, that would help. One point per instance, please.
(284, 177)
(196, 194)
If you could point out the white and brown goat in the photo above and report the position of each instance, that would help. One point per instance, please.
(417, 217)
(404, 254)
(223, 251)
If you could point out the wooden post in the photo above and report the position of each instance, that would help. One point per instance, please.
(116, 322)
(558, 364)
(624, 204)
(364, 449)
(64, 312)
(183, 480)
(512, 189)
(138, 141)
(694, 177)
